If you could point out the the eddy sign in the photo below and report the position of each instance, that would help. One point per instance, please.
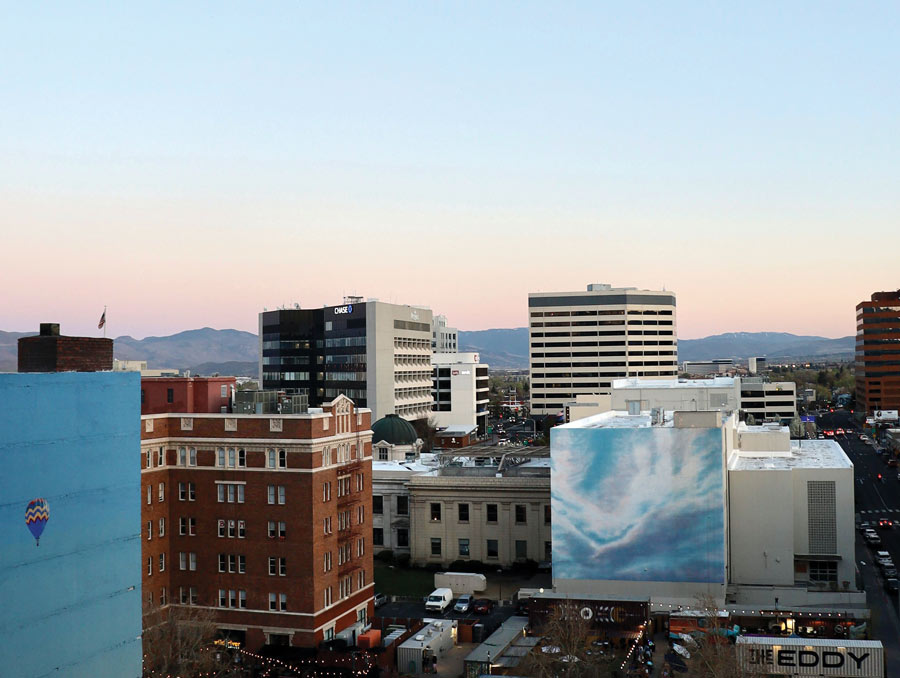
(811, 660)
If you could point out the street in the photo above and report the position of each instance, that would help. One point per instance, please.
(874, 499)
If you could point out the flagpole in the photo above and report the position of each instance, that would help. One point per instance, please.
(104, 321)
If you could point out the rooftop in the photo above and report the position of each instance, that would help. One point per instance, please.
(618, 419)
(714, 382)
(821, 454)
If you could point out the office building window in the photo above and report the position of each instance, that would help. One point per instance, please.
(378, 536)
(403, 537)
(546, 514)
(491, 513)
(402, 505)
(463, 513)
(377, 504)
(435, 546)
(492, 550)
(521, 549)
(435, 512)
(521, 514)
(464, 548)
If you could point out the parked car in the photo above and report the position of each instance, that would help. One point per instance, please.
(881, 556)
(863, 437)
(871, 536)
(890, 572)
(891, 585)
(865, 526)
(463, 604)
(483, 606)
(439, 600)
(380, 599)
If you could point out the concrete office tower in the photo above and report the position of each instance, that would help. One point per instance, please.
(444, 339)
(878, 352)
(757, 365)
(579, 342)
(375, 353)
(460, 392)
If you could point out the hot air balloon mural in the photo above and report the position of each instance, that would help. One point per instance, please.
(36, 516)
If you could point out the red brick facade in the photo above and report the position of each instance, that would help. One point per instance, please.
(55, 353)
(186, 394)
(297, 474)
(878, 353)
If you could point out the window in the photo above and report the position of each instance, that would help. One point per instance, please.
(149, 530)
(326, 491)
(278, 601)
(464, 548)
(521, 549)
(282, 458)
(162, 596)
(277, 567)
(232, 457)
(360, 482)
(162, 562)
(149, 459)
(182, 492)
(403, 537)
(282, 529)
(327, 561)
(491, 513)
(378, 536)
(329, 633)
(182, 456)
(232, 529)
(402, 505)
(223, 563)
(328, 601)
(377, 504)
(224, 391)
(360, 515)
(382, 454)
(192, 561)
(327, 525)
(223, 598)
(435, 546)
(242, 564)
(162, 527)
(822, 572)
(149, 494)
(546, 514)
(521, 514)
(221, 525)
(242, 529)
(160, 457)
(170, 395)
(150, 566)
(463, 511)
(492, 551)
(242, 457)
(281, 494)
(360, 547)
(220, 457)
(435, 512)
(192, 491)
(270, 458)
(230, 492)
(360, 582)
(162, 492)
(326, 456)
(279, 490)
(182, 560)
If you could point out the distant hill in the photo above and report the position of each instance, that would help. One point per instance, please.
(742, 345)
(500, 348)
(191, 348)
(234, 352)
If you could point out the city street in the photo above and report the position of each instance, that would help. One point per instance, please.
(874, 499)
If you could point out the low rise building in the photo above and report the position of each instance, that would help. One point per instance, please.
(757, 365)
(493, 514)
(186, 394)
(768, 400)
(701, 368)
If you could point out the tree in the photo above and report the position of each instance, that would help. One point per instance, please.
(179, 640)
(426, 430)
(713, 654)
(566, 650)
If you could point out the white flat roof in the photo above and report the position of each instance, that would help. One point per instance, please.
(634, 382)
(819, 454)
(618, 419)
(413, 466)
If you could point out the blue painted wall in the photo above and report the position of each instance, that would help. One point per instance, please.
(71, 606)
(638, 504)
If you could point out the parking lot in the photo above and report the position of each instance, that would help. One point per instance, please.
(416, 610)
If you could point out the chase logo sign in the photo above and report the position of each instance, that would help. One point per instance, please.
(343, 310)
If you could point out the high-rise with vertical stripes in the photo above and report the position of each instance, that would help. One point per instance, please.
(579, 342)
(878, 352)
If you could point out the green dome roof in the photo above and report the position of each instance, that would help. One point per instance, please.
(394, 430)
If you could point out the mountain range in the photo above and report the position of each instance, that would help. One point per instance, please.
(208, 351)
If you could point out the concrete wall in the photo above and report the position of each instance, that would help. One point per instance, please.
(71, 606)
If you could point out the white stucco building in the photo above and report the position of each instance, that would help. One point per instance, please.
(460, 391)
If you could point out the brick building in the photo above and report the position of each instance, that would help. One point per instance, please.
(49, 351)
(186, 394)
(263, 518)
(878, 352)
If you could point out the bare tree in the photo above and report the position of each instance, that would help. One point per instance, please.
(713, 654)
(566, 649)
(180, 640)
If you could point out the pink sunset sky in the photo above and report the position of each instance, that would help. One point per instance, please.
(190, 169)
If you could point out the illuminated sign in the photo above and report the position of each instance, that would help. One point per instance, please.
(343, 310)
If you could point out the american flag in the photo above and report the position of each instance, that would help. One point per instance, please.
(102, 320)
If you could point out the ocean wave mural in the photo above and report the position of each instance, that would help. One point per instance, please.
(638, 504)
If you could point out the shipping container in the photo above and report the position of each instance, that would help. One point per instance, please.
(415, 653)
(460, 582)
(811, 657)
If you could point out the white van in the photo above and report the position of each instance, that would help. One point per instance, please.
(439, 600)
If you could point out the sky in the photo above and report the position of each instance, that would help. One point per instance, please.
(189, 164)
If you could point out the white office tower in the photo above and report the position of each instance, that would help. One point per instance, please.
(443, 339)
(579, 342)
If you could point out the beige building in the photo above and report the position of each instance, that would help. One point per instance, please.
(579, 342)
(481, 513)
